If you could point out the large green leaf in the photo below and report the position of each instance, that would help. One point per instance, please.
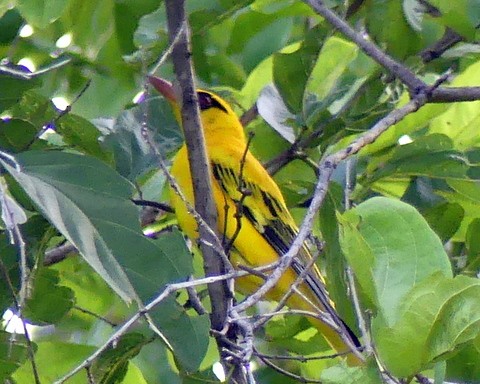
(81, 197)
(436, 317)
(391, 249)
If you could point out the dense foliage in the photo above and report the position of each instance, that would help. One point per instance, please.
(409, 229)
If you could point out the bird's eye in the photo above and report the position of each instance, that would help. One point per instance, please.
(205, 100)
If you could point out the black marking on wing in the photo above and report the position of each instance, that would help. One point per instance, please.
(322, 295)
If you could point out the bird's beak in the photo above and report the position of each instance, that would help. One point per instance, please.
(164, 87)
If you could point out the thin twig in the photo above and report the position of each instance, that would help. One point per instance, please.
(284, 372)
(95, 315)
(169, 289)
(30, 351)
(414, 84)
(244, 193)
(169, 49)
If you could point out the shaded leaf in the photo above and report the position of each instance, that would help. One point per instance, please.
(49, 301)
(112, 365)
(13, 353)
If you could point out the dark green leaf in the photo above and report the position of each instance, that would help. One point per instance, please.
(445, 219)
(13, 352)
(13, 89)
(49, 301)
(189, 336)
(112, 365)
(16, 135)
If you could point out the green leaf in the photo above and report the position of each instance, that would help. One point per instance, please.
(16, 135)
(66, 355)
(112, 365)
(463, 366)
(49, 301)
(391, 249)
(335, 260)
(462, 16)
(445, 219)
(335, 55)
(341, 374)
(132, 155)
(436, 317)
(430, 156)
(13, 353)
(81, 197)
(81, 134)
(13, 89)
(398, 31)
(41, 12)
(291, 70)
(188, 335)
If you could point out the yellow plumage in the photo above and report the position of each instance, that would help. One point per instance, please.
(267, 228)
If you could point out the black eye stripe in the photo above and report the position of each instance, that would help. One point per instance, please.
(206, 101)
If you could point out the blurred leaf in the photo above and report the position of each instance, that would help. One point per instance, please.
(414, 12)
(472, 242)
(48, 301)
(133, 157)
(391, 249)
(13, 88)
(16, 135)
(431, 156)
(10, 23)
(72, 355)
(335, 260)
(13, 353)
(10, 266)
(340, 374)
(81, 134)
(112, 365)
(41, 12)
(462, 16)
(387, 25)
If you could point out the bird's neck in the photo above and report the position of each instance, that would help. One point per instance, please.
(222, 128)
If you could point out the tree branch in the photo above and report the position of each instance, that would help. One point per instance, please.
(214, 265)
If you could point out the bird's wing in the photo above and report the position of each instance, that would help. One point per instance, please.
(266, 210)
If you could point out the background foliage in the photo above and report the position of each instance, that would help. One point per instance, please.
(415, 251)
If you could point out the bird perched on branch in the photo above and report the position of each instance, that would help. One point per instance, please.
(252, 215)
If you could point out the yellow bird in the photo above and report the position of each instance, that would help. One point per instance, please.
(267, 227)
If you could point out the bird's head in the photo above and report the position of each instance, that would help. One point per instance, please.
(216, 114)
